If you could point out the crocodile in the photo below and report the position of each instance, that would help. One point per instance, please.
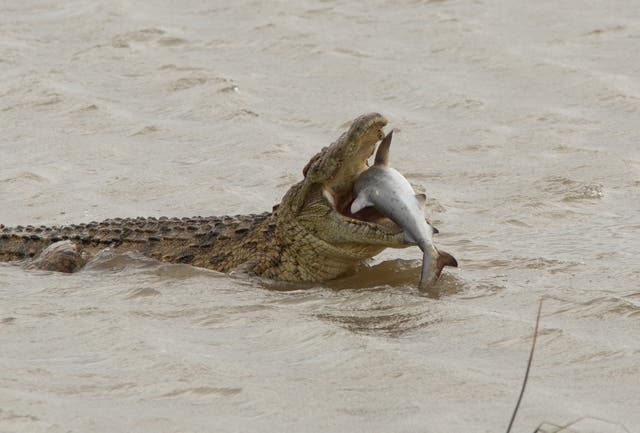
(311, 235)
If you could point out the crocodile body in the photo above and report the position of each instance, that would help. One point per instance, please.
(209, 242)
(309, 236)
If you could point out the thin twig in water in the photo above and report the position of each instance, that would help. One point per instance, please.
(526, 374)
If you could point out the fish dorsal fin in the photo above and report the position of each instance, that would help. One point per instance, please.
(422, 200)
(382, 155)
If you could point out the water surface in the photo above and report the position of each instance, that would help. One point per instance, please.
(519, 120)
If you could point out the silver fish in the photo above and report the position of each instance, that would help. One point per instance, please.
(390, 192)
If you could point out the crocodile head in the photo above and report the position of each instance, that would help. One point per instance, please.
(313, 218)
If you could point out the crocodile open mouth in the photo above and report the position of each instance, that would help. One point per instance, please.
(368, 215)
(339, 191)
(342, 205)
(337, 167)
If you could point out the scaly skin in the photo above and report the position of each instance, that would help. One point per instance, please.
(309, 236)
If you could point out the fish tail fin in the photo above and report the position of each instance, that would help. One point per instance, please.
(445, 259)
(431, 269)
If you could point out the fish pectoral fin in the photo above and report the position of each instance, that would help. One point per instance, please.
(434, 229)
(408, 238)
(422, 200)
(360, 203)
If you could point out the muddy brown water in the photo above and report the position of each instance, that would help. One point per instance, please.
(518, 119)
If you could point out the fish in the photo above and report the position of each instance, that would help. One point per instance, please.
(390, 193)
